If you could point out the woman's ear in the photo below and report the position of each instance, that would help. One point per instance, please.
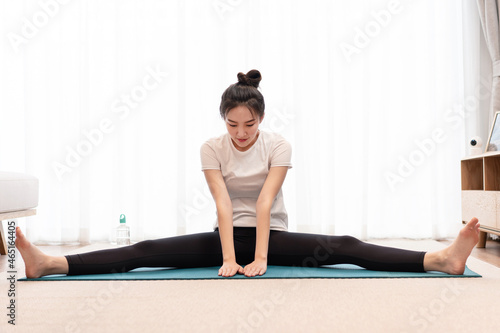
(262, 118)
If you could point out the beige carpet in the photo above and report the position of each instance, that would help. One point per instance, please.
(296, 305)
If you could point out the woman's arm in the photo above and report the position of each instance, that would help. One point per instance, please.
(225, 221)
(271, 187)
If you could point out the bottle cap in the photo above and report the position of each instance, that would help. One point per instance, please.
(123, 219)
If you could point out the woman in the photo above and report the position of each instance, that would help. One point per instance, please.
(245, 169)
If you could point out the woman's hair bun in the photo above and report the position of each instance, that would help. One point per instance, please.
(252, 78)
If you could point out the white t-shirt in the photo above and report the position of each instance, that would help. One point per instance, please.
(245, 172)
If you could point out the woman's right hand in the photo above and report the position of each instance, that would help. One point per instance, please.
(230, 268)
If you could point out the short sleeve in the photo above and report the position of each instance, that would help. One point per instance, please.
(281, 154)
(208, 158)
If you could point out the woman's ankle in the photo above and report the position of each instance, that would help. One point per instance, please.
(57, 265)
(434, 261)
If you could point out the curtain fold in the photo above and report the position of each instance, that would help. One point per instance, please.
(109, 102)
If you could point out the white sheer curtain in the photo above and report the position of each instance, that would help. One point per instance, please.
(108, 102)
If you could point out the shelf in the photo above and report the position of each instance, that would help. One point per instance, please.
(498, 211)
(481, 192)
(472, 174)
(492, 173)
(487, 154)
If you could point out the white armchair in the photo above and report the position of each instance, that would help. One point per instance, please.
(18, 198)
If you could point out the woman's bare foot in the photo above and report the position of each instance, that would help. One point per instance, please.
(452, 259)
(38, 263)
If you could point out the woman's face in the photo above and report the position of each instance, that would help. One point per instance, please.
(243, 127)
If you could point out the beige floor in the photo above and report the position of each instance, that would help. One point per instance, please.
(293, 305)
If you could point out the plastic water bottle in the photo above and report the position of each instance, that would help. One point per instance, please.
(123, 232)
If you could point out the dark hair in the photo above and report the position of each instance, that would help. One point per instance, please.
(245, 93)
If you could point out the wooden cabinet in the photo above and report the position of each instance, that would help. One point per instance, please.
(481, 192)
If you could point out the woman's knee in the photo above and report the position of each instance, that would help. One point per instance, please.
(144, 245)
(348, 240)
(331, 243)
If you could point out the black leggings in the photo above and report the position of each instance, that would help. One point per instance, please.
(285, 249)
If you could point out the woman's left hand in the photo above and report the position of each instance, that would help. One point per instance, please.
(256, 267)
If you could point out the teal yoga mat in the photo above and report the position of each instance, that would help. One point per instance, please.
(343, 271)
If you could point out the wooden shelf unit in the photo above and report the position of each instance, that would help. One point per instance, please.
(481, 192)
